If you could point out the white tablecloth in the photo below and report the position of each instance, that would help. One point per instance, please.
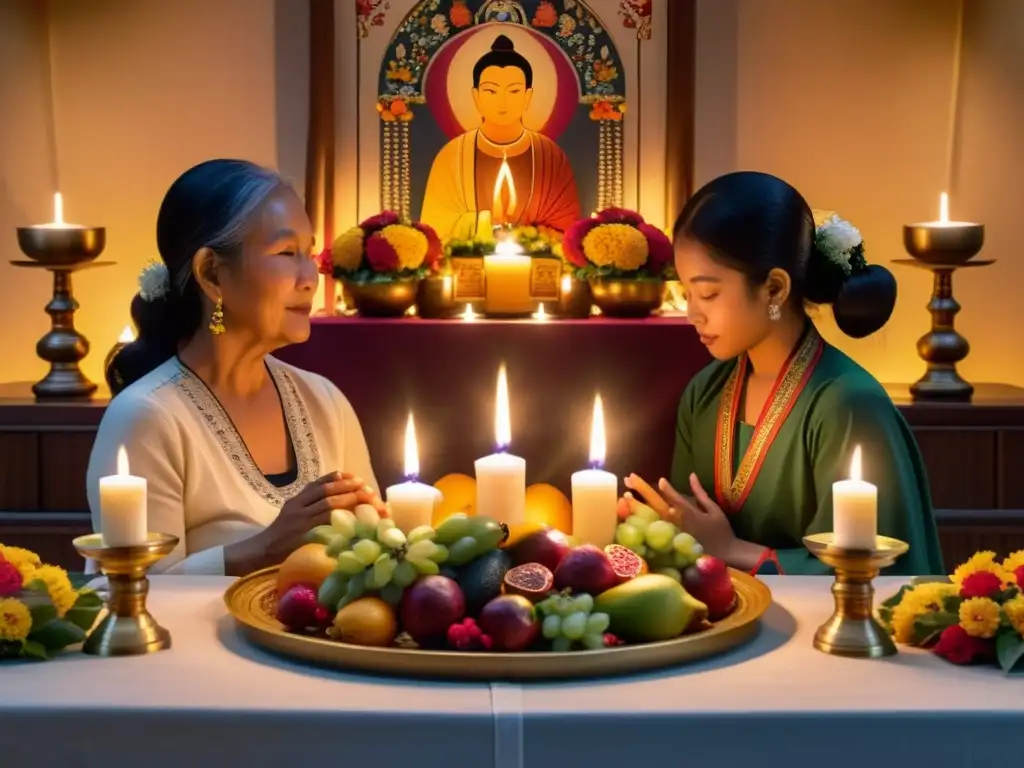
(213, 699)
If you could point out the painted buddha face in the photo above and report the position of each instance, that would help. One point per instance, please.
(502, 97)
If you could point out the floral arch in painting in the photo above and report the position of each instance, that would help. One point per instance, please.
(425, 89)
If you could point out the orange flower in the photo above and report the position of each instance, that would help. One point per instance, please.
(546, 15)
(460, 15)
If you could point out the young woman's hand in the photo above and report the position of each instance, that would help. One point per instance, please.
(701, 517)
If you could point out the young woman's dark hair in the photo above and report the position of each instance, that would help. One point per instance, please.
(503, 53)
(754, 222)
(209, 206)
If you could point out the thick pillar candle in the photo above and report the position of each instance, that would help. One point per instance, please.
(855, 509)
(501, 477)
(595, 493)
(411, 503)
(123, 513)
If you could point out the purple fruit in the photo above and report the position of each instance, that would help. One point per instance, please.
(586, 569)
(297, 608)
(430, 606)
(510, 621)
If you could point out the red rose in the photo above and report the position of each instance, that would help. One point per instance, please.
(10, 578)
(572, 242)
(981, 584)
(325, 262)
(380, 254)
(957, 647)
(659, 247)
(1018, 574)
(378, 222)
(620, 216)
(434, 249)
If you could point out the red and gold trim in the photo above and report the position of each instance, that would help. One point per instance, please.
(767, 556)
(730, 491)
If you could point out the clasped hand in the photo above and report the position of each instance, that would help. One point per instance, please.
(699, 515)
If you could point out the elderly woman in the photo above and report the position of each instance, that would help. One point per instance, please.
(242, 453)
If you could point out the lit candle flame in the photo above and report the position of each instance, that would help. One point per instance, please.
(504, 179)
(855, 464)
(944, 208)
(502, 419)
(446, 283)
(541, 314)
(122, 462)
(468, 314)
(566, 285)
(412, 457)
(58, 208)
(598, 445)
(127, 335)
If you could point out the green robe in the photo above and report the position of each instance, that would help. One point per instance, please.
(840, 406)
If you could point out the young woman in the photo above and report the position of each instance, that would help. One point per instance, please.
(765, 430)
(242, 453)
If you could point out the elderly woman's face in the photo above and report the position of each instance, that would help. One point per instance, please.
(269, 291)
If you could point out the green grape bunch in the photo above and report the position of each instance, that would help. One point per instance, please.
(665, 548)
(569, 622)
(467, 538)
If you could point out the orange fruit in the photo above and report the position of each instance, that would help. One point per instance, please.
(366, 621)
(309, 564)
(547, 505)
(519, 531)
(458, 494)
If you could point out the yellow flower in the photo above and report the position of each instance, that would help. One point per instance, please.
(1014, 610)
(1013, 561)
(58, 586)
(22, 559)
(347, 250)
(409, 243)
(922, 599)
(15, 619)
(982, 561)
(979, 617)
(616, 245)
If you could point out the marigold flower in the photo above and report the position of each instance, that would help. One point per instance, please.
(981, 584)
(381, 220)
(658, 245)
(979, 617)
(982, 561)
(15, 619)
(1014, 567)
(434, 248)
(1014, 610)
(381, 254)
(616, 245)
(10, 578)
(23, 559)
(58, 586)
(347, 250)
(409, 243)
(922, 599)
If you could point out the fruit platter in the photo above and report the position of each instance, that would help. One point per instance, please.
(475, 599)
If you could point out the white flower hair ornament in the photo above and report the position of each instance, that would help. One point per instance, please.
(841, 243)
(154, 281)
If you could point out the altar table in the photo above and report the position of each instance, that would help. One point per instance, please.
(213, 699)
(445, 372)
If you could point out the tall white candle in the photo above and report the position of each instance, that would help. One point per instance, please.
(595, 492)
(411, 503)
(855, 509)
(501, 477)
(123, 513)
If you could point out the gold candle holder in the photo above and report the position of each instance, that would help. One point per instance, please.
(574, 299)
(128, 628)
(853, 630)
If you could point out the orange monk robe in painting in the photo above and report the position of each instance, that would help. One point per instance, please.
(461, 184)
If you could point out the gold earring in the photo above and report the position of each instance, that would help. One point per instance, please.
(217, 320)
(774, 312)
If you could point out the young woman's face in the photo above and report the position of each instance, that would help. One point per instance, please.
(270, 292)
(730, 315)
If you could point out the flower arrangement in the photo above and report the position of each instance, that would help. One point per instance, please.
(536, 241)
(41, 613)
(382, 249)
(841, 244)
(975, 617)
(618, 243)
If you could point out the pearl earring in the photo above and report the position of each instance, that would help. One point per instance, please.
(774, 312)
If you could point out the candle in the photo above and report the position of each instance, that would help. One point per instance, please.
(412, 502)
(501, 477)
(503, 213)
(123, 514)
(58, 216)
(855, 509)
(943, 221)
(566, 285)
(447, 285)
(127, 335)
(468, 315)
(507, 279)
(541, 315)
(595, 492)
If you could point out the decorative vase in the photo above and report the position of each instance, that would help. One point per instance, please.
(617, 297)
(436, 297)
(574, 298)
(391, 299)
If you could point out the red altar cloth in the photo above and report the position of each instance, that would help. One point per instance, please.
(445, 372)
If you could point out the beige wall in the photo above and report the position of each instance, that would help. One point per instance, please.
(848, 99)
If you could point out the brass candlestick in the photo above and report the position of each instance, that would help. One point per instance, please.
(853, 630)
(128, 629)
(943, 247)
(62, 249)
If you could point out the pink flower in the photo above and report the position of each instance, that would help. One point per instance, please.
(957, 647)
(10, 578)
(381, 255)
(659, 247)
(378, 222)
(572, 242)
(981, 584)
(434, 249)
(620, 216)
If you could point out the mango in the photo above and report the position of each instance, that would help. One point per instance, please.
(649, 608)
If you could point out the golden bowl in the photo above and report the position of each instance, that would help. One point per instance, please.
(618, 297)
(62, 246)
(943, 245)
(383, 299)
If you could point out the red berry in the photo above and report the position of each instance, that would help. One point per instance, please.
(457, 634)
(485, 641)
(611, 640)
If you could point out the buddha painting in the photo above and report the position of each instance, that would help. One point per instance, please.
(501, 173)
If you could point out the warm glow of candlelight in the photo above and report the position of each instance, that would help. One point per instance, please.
(446, 284)
(122, 462)
(501, 213)
(58, 208)
(855, 470)
(127, 335)
(502, 419)
(598, 443)
(566, 285)
(541, 315)
(412, 456)
(944, 208)
(468, 315)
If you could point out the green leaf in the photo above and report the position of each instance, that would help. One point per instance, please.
(58, 634)
(895, 600)
(38, 585)
(33, 650)
(42, 613)
(928, 627)
(885, 618)
(79, 580)
(83, 613)
(1010, 651)
(952, 603)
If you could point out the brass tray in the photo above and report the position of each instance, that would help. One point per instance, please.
(252, 598)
